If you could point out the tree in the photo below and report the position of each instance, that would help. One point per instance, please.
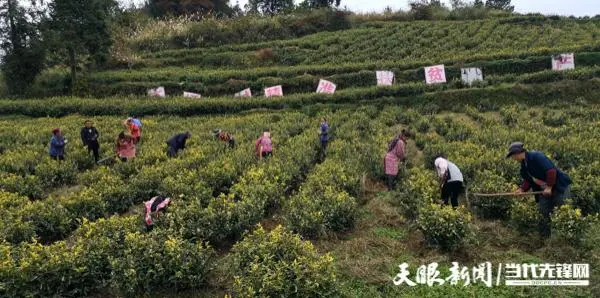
(21, 44)
(478, 3)
(161, 8)
(500, 4)
(316, 4)
(269, 7)
(80, 29)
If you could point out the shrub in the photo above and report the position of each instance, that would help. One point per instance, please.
(279, 264)
(445, 227)
(313, 214)
(569, 225)
(54, 174)
(156, 261)
(525, 217)
(417, 190)
(491, 207)
(50, 219)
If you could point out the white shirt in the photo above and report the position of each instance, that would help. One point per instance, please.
(442, 166)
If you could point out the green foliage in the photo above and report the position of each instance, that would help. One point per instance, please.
(568, 224)
(525, 217)
(270, 7)
(279, 263)
(22, 50)
(78, 29)
(156, 261)
(445, 227)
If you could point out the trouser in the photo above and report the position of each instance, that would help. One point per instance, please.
(451, 191)
(546, 206)
(323, 152)
(266, 154)
(231, 143)
(94, 147)
(172, 152)
(391, 181)
(57, 157)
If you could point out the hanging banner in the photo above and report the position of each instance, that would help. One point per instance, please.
(274, 91)
(244, 93)
(191, 94)
(326, 87)
(470, 75)
(157, 92)
(384, 78)
(563, 62)
(435, 74)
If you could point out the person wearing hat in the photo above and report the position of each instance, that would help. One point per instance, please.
(541, 175)
(134, 130)
(57, 145)
(225, 137)
(451, 180)
(177, 142)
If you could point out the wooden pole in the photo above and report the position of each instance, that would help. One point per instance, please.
(508, 194)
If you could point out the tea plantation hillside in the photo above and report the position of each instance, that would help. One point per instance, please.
(299, 224)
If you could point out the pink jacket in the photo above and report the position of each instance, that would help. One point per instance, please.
(266, 143)
(392, 158)
(126, 149)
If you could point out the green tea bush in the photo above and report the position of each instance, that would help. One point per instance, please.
(568, 224)
(525, 217)
(313, 214)
(154, 261)
(279, 263)
(445, 227)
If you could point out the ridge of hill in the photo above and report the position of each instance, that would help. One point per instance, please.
(506, 49)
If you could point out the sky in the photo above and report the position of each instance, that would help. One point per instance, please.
(557, 7)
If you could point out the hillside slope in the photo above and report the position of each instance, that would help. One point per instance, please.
(508, 50)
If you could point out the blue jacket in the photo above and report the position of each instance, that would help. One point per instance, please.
(57, 146)
(536, 165)
(177, 142)
(324, 132)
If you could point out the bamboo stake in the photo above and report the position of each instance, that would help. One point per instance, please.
(508, 194)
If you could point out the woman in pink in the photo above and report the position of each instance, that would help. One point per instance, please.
(396, 153)
(134, 130)
(125, 147)
(264, 145)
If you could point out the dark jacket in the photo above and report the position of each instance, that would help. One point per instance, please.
(536, 165)
(177, 142)
(89, 135)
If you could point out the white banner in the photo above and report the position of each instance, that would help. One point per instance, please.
(191, 94)
(384, 78)
(326, 87)
(563, 62)
(274, 91)
(435, 74)
(470, 75)
(244, 93)
(157, 92)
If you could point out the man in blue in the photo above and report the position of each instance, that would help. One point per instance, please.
(324, 136)
(540, 174)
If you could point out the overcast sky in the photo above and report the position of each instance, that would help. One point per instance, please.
(559, 7)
